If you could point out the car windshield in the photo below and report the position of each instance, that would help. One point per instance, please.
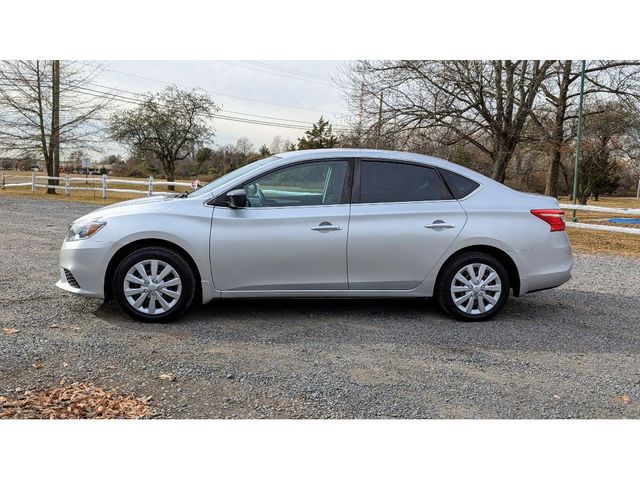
(230, 176)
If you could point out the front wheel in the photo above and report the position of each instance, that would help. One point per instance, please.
(154, 284)
(473, 287)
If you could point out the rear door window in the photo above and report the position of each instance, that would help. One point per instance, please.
(384, 182)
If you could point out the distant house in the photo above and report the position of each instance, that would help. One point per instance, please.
(95, 168)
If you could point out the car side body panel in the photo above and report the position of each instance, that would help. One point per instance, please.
(493, 215)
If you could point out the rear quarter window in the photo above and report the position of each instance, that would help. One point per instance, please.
(459, 185)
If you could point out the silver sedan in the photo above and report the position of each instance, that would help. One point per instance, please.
(323, 223)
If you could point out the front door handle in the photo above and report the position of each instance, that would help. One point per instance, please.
(326, 227)
(439, 224)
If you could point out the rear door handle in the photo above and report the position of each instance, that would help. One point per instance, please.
(439, 224)
(326, 227)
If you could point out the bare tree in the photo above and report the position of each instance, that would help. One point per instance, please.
(609, 138)
(277, 144)
(166, 125)
(483, 103)
(603, 80)
(244, 147)
(46, 105)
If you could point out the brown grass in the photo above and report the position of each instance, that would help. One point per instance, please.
(597, 242)
(600, 242)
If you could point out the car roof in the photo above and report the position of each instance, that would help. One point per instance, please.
(322, 153)
(286, 158)
(360, 152)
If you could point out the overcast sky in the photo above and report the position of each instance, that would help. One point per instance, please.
(292, 92)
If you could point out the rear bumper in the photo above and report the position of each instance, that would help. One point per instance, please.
(544, 281)
(547, 267)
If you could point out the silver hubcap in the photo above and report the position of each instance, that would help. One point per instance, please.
(152, 287)
(476, 288)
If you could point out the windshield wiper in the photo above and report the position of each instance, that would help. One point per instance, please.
(183, 194)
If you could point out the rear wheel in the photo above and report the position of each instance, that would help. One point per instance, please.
(473, 286)
(154, 284)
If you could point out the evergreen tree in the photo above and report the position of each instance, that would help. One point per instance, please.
(320, 136)
(264, 152)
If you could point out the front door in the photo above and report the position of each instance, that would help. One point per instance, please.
(292, 236)
(403, 220)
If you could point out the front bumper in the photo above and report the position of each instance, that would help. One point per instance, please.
(87, 262)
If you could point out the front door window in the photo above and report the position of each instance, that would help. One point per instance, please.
(308, 184)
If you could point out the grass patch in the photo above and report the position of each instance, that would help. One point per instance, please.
(597, 242)
(600, 242)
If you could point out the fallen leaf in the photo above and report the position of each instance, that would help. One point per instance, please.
(10, 331)
(75, 401)
(38, 365)
(53, 325)
(3, 399)
(556, 396)
(167, 376)
(624, 398)
(65, 364)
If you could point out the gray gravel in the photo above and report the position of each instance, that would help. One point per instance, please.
(564, 353)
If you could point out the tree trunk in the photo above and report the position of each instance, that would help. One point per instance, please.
(171, 175)
(553, 172)
(500, 162)
(54, 142)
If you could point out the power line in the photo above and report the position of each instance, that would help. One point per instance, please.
(289, 70)
(136, 94)
(291, 77)
(238, 97)
(135, 101)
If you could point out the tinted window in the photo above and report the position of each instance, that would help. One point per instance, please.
(400, 182)
(299, 185)
(459, 185)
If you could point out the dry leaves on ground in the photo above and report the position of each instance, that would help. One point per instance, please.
(77, 400)
(9, 331)
(624, 398)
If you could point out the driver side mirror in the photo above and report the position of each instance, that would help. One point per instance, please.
(237, 198)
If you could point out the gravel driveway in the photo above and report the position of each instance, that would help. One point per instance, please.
(564, 353)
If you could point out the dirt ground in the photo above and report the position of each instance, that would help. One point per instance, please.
(570, 352)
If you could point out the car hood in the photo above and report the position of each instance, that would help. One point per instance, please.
(128, 207)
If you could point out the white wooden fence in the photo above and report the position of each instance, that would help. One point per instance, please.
(66, 183)
(104, 187)
(607, 228)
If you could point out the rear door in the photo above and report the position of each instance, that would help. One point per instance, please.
(403, 219)
(292, 236)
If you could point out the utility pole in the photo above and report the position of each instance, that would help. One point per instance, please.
(578, 140)
(379, 120)
(55, 124)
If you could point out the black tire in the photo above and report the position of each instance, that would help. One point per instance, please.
(175, 260)
(443, 287)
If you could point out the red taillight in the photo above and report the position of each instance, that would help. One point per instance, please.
(555, 218)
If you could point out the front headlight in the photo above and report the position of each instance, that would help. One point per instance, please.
(80, 231)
